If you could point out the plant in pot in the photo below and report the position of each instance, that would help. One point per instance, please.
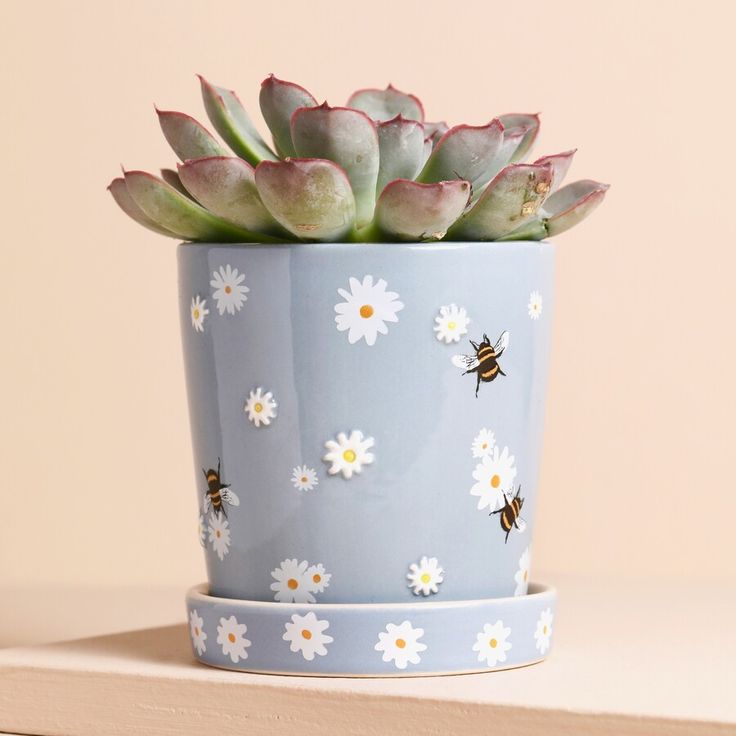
(365, 311)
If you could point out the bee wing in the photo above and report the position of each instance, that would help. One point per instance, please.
(206, 502)
(502, 343)
(520, 524)
(229, 496)
(464, 362)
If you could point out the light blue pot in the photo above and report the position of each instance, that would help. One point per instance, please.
(349, 343)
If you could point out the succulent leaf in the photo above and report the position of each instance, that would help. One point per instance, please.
(348, 138)
(464, 152)
(226, 186)
(435, 131)
(231, 121)
(560, 163)
(188, 138)
(279, 100)
(402, 150)
(408, 210)
(127, 204)
(572, 203)
(172, 179)
(179, 214)
(511, 199)
(385, 104)
(311, 198)
(526, 123)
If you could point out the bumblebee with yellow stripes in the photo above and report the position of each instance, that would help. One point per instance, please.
(511, 514)
(218, 493)
(485, 361)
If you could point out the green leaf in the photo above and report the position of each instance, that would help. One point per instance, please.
(126, 203)
(435, 131)
(187, 137)
(279, 100)
(560, 163)
(525, 124)
(226, 186)
(179, 214)
(572, 204)
(231, 121)
(402, 150)
(172, 179)
(408, 210)
(464, 152)
(385, 104)
(311, 198)
(347, 137)
(510, 200)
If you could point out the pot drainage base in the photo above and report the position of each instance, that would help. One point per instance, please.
(341, 640)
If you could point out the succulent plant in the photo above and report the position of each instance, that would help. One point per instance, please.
(372, 171)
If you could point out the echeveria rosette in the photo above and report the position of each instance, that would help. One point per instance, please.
(372, 171)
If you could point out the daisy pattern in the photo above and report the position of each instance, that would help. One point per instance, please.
(197, 632)
(219, 534)
(305, 634)
(521, 577)
(492, 643)
(202, 531)
(543, 634)
(401, 644)
(349, 454)
(198, 311)
(229, 291)
(483, 444)
(260, 407)
(231, 637)
(292, 584)
(494, 475)
(304, 478)
(451, 323)
(535, 305)
(426, 576)
(366, 309)
(318, 579)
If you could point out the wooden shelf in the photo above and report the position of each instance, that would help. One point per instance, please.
(628, 658)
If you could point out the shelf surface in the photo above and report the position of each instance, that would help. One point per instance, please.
(640, 657)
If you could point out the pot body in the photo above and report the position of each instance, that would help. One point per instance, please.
(430, 490)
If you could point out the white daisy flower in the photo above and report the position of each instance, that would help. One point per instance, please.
(543, 634)
(495, 474)
(535, 305)
(401, 644)
(198, 311)
(231, 636)
(521, 577)
(197, 632)
(318, 579)
(349, 454)
(229, 290)
(492, 643)
(202, 531)
(304, 478)
(260, 407)
(219, 534)
(483, 444)
(292, 584)
(451, 323)
(305, 634)
(366, 309)
(426, 576)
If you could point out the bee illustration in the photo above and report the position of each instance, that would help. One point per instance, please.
(510, 514)
(218, 493)
(485, 361)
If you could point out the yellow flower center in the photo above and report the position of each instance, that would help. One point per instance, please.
(307, 634)
(366, 311)
(231, 638)
(196, 314)
(400, 643)
(304, 479)
(218, 534)
(316, 577)
(228, 289)
(544, 630)
(451, 325)
(258, 407)
(196, 631)
(484, 446)
(349, 456)
(492, 643)
(293, 584)
(495, 481)
(426, 577)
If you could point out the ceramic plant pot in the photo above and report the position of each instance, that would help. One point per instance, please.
(366, 424)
